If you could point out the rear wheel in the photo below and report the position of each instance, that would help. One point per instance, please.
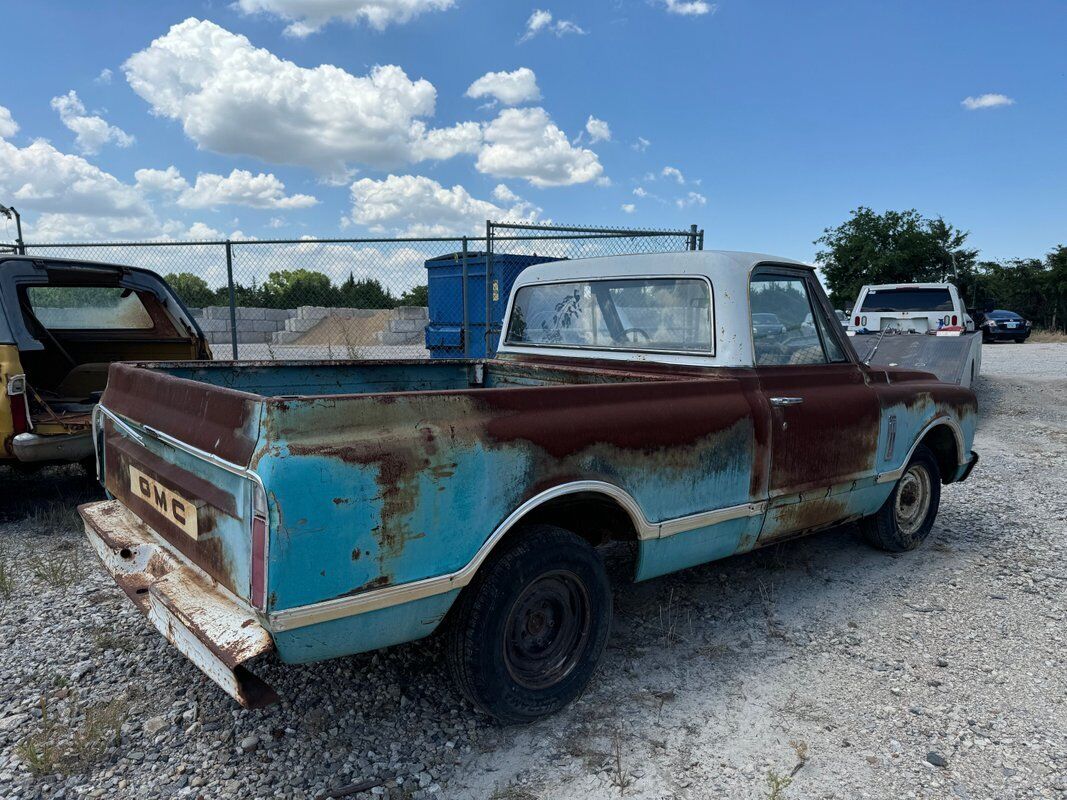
(525, 636)
(905, 519)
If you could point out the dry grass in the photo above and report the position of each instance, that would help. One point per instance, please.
(59, 569)
(1047, 335)
(57, 516)
(75, 740)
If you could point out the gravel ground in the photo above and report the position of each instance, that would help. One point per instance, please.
(815, 669)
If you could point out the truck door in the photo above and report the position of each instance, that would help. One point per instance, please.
(824, 416)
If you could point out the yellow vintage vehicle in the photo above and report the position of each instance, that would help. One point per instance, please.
(62, 324)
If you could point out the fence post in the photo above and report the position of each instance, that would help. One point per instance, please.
(488, 280)
(466, 314)
(700, 243)
(693, 236)
(233, 298)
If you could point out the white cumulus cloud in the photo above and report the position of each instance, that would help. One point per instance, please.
(8, 126)
(641, 145)
(306, 17)
(598, 130)
(691, 199)
(983, 101)
(689, 8)
(673, 172)
(628, 208)
(415, 205)
(542, 21)
(239, 188)
(91, 132)
(231, 97)
(525, 143)
(510, 88)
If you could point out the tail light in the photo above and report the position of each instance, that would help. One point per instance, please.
(258, 593)
(857, 322)
(955, 320)
(20, 404)
(864, 320)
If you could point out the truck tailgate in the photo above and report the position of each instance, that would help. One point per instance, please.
(174, 453)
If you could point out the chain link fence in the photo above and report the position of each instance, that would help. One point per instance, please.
(361, 298)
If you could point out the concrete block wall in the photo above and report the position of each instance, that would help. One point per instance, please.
(287, 325)
(407, 326)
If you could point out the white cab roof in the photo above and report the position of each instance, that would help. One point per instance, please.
(727, 271)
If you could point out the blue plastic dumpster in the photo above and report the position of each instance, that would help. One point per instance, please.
(444, 334)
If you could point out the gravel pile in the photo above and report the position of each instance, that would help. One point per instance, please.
(816, 669)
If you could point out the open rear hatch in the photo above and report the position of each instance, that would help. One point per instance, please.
(185, 535)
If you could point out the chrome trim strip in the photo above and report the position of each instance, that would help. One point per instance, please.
(894, 474)
(291, 618)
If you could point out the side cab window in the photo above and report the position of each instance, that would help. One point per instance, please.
(789, 325)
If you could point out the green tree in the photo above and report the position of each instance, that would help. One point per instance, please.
(416, 296)
(192, 289)
(365, 293)
(298, 287)
(894, 247)
(1033, 287)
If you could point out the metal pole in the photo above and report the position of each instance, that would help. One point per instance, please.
(700, 244)
(466, 313)
(693, 237)
(18, 228)
(488, 279)
(233, 298)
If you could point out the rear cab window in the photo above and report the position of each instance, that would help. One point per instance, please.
(658, 315)
(88, 307)
(892, 300)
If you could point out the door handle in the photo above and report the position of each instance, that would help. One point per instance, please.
(786, 401)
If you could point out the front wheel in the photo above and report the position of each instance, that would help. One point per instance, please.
(527, 633)
(905, 519)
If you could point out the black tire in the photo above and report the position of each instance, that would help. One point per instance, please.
(903, 525)
(526, 634)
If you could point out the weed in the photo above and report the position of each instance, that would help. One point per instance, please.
(106, 640)
(65, 744)
(7, 582)
(776, 785)
(57, 569)
(40, 757)
(620, 777)
(51, 517)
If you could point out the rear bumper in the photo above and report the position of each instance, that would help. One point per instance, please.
(34, 448)
(212, 630)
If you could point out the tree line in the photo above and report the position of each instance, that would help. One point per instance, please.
(295, 287)
(905, 247)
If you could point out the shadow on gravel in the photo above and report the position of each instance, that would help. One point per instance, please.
(46, 500)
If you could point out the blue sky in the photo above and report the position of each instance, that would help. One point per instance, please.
(763, 122)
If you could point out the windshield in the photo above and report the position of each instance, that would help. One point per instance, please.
(656, 314)
(88, 307)
(1003, 315)
(766, 319)
(907, 300)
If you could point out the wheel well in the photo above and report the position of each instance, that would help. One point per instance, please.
(597, 518)
(942, 443)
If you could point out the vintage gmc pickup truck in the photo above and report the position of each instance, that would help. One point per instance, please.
(324, 509)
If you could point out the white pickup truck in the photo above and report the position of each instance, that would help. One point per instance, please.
(887, 317)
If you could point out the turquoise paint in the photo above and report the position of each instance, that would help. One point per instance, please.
(364, 632)
(661, 556)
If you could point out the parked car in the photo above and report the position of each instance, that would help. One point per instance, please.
(320, 510)
(62, 324)
(767, 324)
(1003, 326)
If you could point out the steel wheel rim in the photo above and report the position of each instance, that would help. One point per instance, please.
(547, 629)
(912, 502)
